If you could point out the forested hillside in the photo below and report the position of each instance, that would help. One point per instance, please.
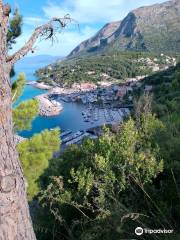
(112, 66)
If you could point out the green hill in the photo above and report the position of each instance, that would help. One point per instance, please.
(115, 66)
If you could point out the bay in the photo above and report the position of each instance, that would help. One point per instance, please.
(71, 116)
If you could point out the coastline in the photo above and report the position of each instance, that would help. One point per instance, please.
(40, 85)
(48, 107)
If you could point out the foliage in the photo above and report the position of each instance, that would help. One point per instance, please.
(118, 66)
(89, 179)
(166, 104)
(18, 86)
(104, 188)
(24, 114)
(14, 29)
(35, 154)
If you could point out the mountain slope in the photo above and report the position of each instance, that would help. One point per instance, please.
(104, 33)
(153, 28)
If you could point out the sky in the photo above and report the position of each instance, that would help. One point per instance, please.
(90, 15)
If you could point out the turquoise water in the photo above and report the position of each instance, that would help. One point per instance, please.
(69, 118)
(29, 69)
(28, 93)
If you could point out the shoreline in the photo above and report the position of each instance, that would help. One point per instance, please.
(50, 106)
(47, 107)
(40, 85)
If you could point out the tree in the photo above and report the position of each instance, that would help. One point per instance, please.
(90, 180)
(24, 114)
(14, 29)
(14, 211)
(18, 86)
(35, 154)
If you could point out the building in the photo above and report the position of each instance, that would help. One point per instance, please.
(121, 92)
(87, 86)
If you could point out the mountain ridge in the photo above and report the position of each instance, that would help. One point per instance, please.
(148, 28)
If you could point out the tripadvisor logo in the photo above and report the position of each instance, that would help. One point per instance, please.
(139, 231)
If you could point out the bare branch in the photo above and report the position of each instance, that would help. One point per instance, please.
(46, 31)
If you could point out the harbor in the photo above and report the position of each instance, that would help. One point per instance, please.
(104, 115)
(97, 117)
(76, 109)
(81, 107)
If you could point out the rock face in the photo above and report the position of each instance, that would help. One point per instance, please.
(105, 33)
(153, 28)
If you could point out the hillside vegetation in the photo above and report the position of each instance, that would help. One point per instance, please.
(107, 187)
(110, 66)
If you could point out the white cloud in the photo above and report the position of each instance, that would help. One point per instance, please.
(85, 11)
(92, 11)
(34, 21)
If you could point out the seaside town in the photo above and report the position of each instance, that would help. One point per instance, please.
(104, 101)
(103, 106)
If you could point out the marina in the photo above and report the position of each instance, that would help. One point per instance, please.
(75, 109)
(104, 115)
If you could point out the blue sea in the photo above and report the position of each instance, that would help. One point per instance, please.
(69, 118)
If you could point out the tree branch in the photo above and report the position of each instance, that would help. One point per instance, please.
(45, 31)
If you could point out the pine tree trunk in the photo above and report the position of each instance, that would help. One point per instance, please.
(15, 221)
